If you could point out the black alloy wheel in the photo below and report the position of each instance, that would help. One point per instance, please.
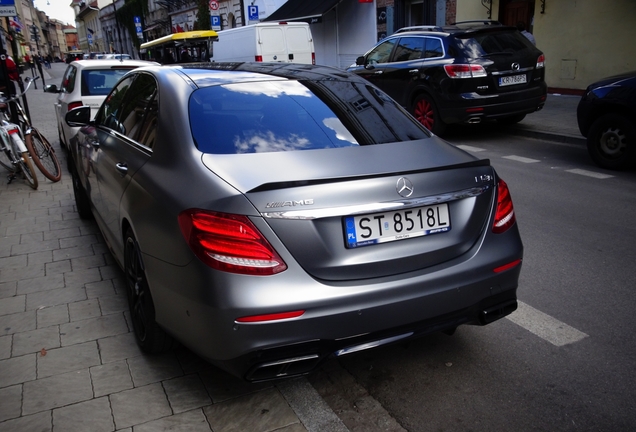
(150, 337)
(611, 142)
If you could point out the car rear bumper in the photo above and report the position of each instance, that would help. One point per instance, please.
(474, 108)
(201, 311)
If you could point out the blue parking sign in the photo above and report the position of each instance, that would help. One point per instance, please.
(215, 20)
(252, 13)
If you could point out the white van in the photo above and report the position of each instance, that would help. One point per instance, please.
(266, 42)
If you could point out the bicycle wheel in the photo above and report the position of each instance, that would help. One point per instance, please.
(5, 160)
(28, 171)
(43, 155)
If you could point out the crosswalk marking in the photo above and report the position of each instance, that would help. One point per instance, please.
(521, 159)
(545, 326)
(589, 173)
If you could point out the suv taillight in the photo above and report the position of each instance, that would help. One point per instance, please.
(505, 212)
(74, 105)
(230, 243)
(465, 71)
(541, 61)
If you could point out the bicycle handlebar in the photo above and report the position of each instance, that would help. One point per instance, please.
(28, 80)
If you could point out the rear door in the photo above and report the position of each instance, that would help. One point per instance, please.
(300, 45)
(118, 155)
(272, 44)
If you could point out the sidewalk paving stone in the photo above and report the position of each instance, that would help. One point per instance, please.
(92, 329)
(68, 359)
(111, 378)
(16, 370)
(11, 405)
(18, 322)
(56, 391)
(139, 405)
(73, 418)
(44, 283)
(52, 315)
(35, 340)
(191, 421)
(40, 422)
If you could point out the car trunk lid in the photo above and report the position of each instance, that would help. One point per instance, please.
(309, 199)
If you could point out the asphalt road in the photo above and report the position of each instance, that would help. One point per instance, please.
(565, 360)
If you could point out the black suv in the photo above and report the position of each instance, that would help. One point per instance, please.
(607, 117)
(463, 73)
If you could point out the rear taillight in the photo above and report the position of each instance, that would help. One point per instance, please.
(74, 105)
(258, 58)
(505, 212)
(230, 243)
(313, 58)
(541, 61)
(465, 71)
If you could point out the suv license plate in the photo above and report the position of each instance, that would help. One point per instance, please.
(512, 80)
(397, 225)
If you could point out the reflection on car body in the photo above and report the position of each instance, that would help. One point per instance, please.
(228, 193)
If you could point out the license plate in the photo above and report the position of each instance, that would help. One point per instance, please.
(512, 80)
(396, 225)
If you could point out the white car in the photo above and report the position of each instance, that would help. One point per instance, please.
(87, 82)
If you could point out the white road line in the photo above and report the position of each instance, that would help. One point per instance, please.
(470, 148)
(521, 159)
(590, 173)
(544, 326)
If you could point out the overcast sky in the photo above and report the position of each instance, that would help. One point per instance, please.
(58, 9)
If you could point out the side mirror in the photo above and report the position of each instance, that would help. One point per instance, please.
(78, 117)
(360, 61)
(51, 88)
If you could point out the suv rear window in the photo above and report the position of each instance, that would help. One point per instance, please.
(278, 116)
(483, 44)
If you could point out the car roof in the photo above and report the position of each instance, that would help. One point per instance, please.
(459, 28)
(101, 63)
(209, 74)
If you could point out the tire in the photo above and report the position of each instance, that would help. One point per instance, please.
(425, 111)
(82, 202)
(151, 338)
(611, 142)
(43, 155)
(5, 161)
(511, 120)
(28, 172)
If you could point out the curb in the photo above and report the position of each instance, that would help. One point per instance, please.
(549, 136)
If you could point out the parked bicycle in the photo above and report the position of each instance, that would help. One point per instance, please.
(14, 155)
(41, 151)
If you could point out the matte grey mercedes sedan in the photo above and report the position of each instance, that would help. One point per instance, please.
(268, 216)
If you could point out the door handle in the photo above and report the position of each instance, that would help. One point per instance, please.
(414, 71)
(122, 168)
(378, 72)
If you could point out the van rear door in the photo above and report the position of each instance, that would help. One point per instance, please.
(300, 44)
(272, 44)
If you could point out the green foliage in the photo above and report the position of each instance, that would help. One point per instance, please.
(126, 17)
(203, 16)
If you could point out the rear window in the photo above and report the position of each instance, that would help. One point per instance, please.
(278, 116)
(489, 43)
(99, 82)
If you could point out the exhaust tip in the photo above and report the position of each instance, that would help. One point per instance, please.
(474, 120)
(498, 311)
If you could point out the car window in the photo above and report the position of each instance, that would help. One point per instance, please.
(289, 116)
(137, 102)
(109, 114)
(68, 80)
(98, 82)
(409, 48)
(434, 48)
(493, 43)
(382, 52)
